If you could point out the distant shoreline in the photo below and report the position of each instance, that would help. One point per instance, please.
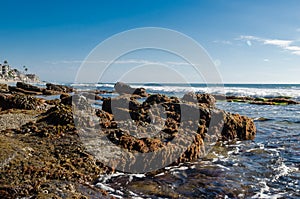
(14, 82)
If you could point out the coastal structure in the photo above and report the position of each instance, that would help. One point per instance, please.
(5, 69)
(8, 73)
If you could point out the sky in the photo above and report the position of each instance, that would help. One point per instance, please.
(250, 41)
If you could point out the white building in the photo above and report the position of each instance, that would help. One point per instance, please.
(5, 69)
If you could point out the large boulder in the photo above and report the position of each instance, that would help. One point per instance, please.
(123, 88)
(20, 102)
(29, 87)
(191, 124)
(3, 87)
(17, 90)
(59, 88)
(200, 98)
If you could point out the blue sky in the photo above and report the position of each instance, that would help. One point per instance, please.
(256, 41)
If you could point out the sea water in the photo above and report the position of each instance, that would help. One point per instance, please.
(267, 167)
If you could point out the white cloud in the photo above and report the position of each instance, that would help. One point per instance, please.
(296, 52)
(248, 37)
(283, 44)
(127, 61)
(266, 60)
(298, 29)
(293, 48)
(278, 42)
(226, 42)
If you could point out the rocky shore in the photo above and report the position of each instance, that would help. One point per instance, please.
(43, 154)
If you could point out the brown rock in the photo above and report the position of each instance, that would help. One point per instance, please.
(8, 101)
(237, 126)
(51, 92)
(28, 87)
(59, 88)
(123, 88)
(201, 98)
(3, 87)
(14, 89)
(283, 101)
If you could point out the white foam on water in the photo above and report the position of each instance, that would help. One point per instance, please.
(170, 89)
(235, 91)
(283, 170)
(267, 91)
(105, 187)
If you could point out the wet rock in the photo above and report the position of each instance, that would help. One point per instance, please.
(239, 98)
(92, 96)
(219, 97)
(283, 101)
(47, 167)
(53, 101)
(158, 99)
(201, 98)
(199, 124)
(123, 101)
(237, 126)
(123, 88)
(153, 188)
(262, 101)
(3, 87)
(9, 101)
(66, 99)
(14, 89)
(28, 87)
(58, 115)
(51, 160)
(51, 92)
(59, 88)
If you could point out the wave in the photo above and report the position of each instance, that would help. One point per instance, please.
(265, 91)
(235, 91)
(91, 85)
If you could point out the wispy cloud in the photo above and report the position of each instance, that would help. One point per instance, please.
(128, 61)
(226, 42)
(278, 42)
(283, 44)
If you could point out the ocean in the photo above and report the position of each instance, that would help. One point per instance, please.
(267, 167)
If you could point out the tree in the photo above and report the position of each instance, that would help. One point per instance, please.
(25, 69)
(11, 74)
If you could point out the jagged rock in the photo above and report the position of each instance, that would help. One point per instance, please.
(202, 123)
(219, 97)
(237, 126)
(92, 96)
(58, 115)
(14, 89)
(158, 99)
(201, 98)
(3, 87)
(283, 101)
(239, 98)
(123, 88)
(66, 99)
(59, 88)
(29, 87)
(43, 166)
(51, 92)
(20, 102)
(123, 101)
(262, 101)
